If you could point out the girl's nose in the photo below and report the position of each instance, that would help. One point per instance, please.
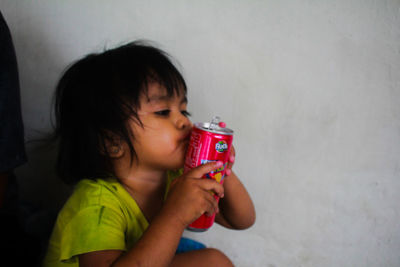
(183, 122)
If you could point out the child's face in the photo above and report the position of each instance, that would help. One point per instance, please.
(161, 143)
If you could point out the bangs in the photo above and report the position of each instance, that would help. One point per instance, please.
(169, 80)
(137, 68)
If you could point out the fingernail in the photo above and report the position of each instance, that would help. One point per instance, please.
(228, 172)
(219, 163)
(232, 158)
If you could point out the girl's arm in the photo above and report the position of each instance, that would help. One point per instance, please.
(158, 244)
(236, 208)
(187, 199)
(156, 247)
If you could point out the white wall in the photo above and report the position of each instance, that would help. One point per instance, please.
(312, 89)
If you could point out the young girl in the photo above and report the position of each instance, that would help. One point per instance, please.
(123, 129)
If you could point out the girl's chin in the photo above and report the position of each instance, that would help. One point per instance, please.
(175, 165)
(180, 163)
(179, 160)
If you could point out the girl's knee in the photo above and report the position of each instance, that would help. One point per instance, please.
(218, 258)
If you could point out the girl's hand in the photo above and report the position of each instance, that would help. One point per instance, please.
(231, 161)
(190, 196)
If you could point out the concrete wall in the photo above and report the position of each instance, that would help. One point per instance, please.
(312, 89)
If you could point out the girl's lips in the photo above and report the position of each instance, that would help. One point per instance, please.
(186, 137)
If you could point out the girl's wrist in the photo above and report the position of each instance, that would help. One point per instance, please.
(172, 220)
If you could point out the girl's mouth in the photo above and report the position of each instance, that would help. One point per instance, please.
(186, 137)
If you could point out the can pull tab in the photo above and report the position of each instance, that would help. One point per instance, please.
(214, 123)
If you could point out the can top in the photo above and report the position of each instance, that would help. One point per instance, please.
(205, 126)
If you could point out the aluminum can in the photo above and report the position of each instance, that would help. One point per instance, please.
(208, 142)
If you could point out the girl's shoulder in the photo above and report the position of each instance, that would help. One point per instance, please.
(94, 192)
(97, 183)
(97, 186)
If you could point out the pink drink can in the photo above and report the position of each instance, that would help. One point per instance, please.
(208, 142)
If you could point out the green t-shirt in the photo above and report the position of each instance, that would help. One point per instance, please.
(99, 215)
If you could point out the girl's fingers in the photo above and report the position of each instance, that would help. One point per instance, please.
(212, 204)
(231, 161)
(232, 154)
(201, 170)
(211, 185)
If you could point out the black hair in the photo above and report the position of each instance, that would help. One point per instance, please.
(96, 97)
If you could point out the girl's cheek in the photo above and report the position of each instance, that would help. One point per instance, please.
(167, 138)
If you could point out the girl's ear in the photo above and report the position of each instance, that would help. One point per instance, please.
(113, 146)
(115, 150)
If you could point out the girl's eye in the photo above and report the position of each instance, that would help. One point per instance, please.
(166, 112)
(163, 112)
(186, 113)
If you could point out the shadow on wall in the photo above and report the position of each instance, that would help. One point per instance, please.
(38, 62)
(41, 193)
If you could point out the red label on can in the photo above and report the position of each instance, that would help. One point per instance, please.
(208, 146)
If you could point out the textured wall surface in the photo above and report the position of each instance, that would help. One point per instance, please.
(311, 88)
